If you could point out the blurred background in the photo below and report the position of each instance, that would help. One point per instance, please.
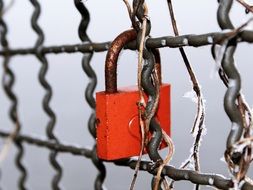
(59, 20)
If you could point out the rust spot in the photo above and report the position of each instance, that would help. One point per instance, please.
(112, 58)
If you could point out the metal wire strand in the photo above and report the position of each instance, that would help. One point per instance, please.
(198, 125)
(214, 180)
(233, 75)
(9, 75)
(50, 144)
(8, 82)
(46, 100)
(159, 42)
(146, 83)
(82, 31)
(194, 177)
(149, 88)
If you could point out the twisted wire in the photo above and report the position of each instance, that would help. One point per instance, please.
(50, 144)
(214, 180)
(149, 88)
(46, 100)
(233, 75)
(194, 177)
(8, 82)
(87, 68)
(147, 84)
(192, 40)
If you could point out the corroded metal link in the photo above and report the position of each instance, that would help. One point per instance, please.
(8, 82)
(147, 84)
(46, 100)
(89, 92)
(149, 89)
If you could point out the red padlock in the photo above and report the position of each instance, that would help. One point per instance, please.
(118, 131)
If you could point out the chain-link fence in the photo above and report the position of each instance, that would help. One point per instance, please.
(238, 149)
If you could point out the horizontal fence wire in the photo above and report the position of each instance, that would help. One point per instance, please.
(160, 42)
(50, 144)
(176, 174)
(48, 94)
(88, 48)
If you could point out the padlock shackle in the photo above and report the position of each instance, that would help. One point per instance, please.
(112, 58)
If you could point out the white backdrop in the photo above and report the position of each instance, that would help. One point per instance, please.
(60, 20)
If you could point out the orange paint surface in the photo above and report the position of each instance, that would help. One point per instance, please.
(118, 131)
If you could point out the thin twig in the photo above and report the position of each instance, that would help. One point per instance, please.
(8, 7)
(129, 9)
(141, 102)
(199, 119)
(8, 142)
(140, 58)
(167, 139)
(246, 5)
(171, 148)
(166, 184)
(236, 31)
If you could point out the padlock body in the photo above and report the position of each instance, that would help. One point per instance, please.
(118, 129)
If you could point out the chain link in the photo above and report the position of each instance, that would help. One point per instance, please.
(8, 82)
(88, 70)
(46, 100)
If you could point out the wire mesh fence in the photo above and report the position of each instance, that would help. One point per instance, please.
(238, 148)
